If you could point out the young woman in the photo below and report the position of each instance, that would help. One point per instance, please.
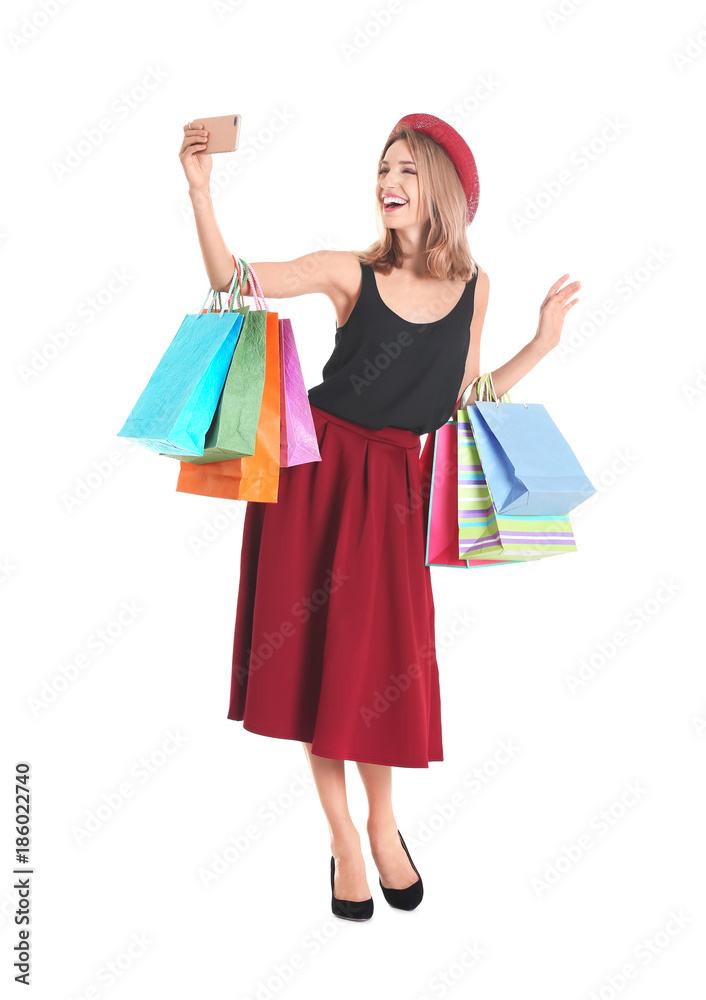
(334, 631)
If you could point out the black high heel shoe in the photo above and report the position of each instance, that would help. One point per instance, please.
(347, 908)
(405, 899)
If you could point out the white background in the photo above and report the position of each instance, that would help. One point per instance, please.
(527, 86)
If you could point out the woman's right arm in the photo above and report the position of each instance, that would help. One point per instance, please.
(314, 272)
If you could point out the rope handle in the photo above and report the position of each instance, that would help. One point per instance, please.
(486, 386)
(240, 297)
(239, 294)
(485, 389)
(255, 287)
(229, 300)
(217, 295)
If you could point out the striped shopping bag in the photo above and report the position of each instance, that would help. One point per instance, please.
(439, 487)
(482, 532)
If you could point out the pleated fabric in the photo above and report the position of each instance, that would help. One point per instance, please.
(334, 631)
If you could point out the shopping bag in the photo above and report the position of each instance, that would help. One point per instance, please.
(254, 477)
(176, 407)
(299, 441)
(484, 532)
(233, 429)
(439, 482)
(282, 405)
(527, 462)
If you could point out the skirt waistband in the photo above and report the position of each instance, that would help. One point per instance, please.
(390, 435)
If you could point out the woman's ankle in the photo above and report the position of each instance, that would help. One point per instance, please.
(381, 825)
(345, 843)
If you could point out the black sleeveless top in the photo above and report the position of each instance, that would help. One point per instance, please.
(387, 372)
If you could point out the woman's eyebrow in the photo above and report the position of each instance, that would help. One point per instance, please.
(401, 161)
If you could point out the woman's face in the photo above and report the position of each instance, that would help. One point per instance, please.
(397, 176)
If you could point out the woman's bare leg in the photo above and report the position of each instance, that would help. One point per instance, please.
(330, 780)
(389, 856)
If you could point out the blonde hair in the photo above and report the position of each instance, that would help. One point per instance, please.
(447, 251)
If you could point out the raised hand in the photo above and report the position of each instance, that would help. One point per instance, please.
(553, 311)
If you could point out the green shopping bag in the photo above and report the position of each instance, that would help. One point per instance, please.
(233, 429)
(482, 532)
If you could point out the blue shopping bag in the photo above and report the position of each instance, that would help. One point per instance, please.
(486, 534)
(527, 462)
(177, 405)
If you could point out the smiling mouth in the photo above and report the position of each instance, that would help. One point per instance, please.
(393, 206)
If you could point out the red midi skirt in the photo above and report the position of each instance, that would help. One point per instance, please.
(334, 630)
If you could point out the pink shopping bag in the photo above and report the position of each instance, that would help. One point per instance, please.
(439, 473)
(299, 442)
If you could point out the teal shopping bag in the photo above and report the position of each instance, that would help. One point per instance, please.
(176, 407)
(233, 430)
(527, 462)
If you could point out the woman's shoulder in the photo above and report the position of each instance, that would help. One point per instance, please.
(344, 280)
(481, 276)
(344, 269)
(481, 292)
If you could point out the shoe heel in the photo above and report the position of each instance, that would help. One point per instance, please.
(349, 909)
(409, 898)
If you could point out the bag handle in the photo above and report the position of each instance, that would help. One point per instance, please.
(462, 403)
(485, 389)
(217, 295)
(240, 297)
(258, 294)
(486, 385)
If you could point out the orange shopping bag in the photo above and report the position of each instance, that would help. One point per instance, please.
(254, 477)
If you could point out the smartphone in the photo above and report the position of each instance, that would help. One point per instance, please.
(223, 133)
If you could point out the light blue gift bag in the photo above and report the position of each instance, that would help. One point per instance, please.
(527, 462)
(177, 405)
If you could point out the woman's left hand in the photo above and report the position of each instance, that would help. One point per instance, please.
(553, 310)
